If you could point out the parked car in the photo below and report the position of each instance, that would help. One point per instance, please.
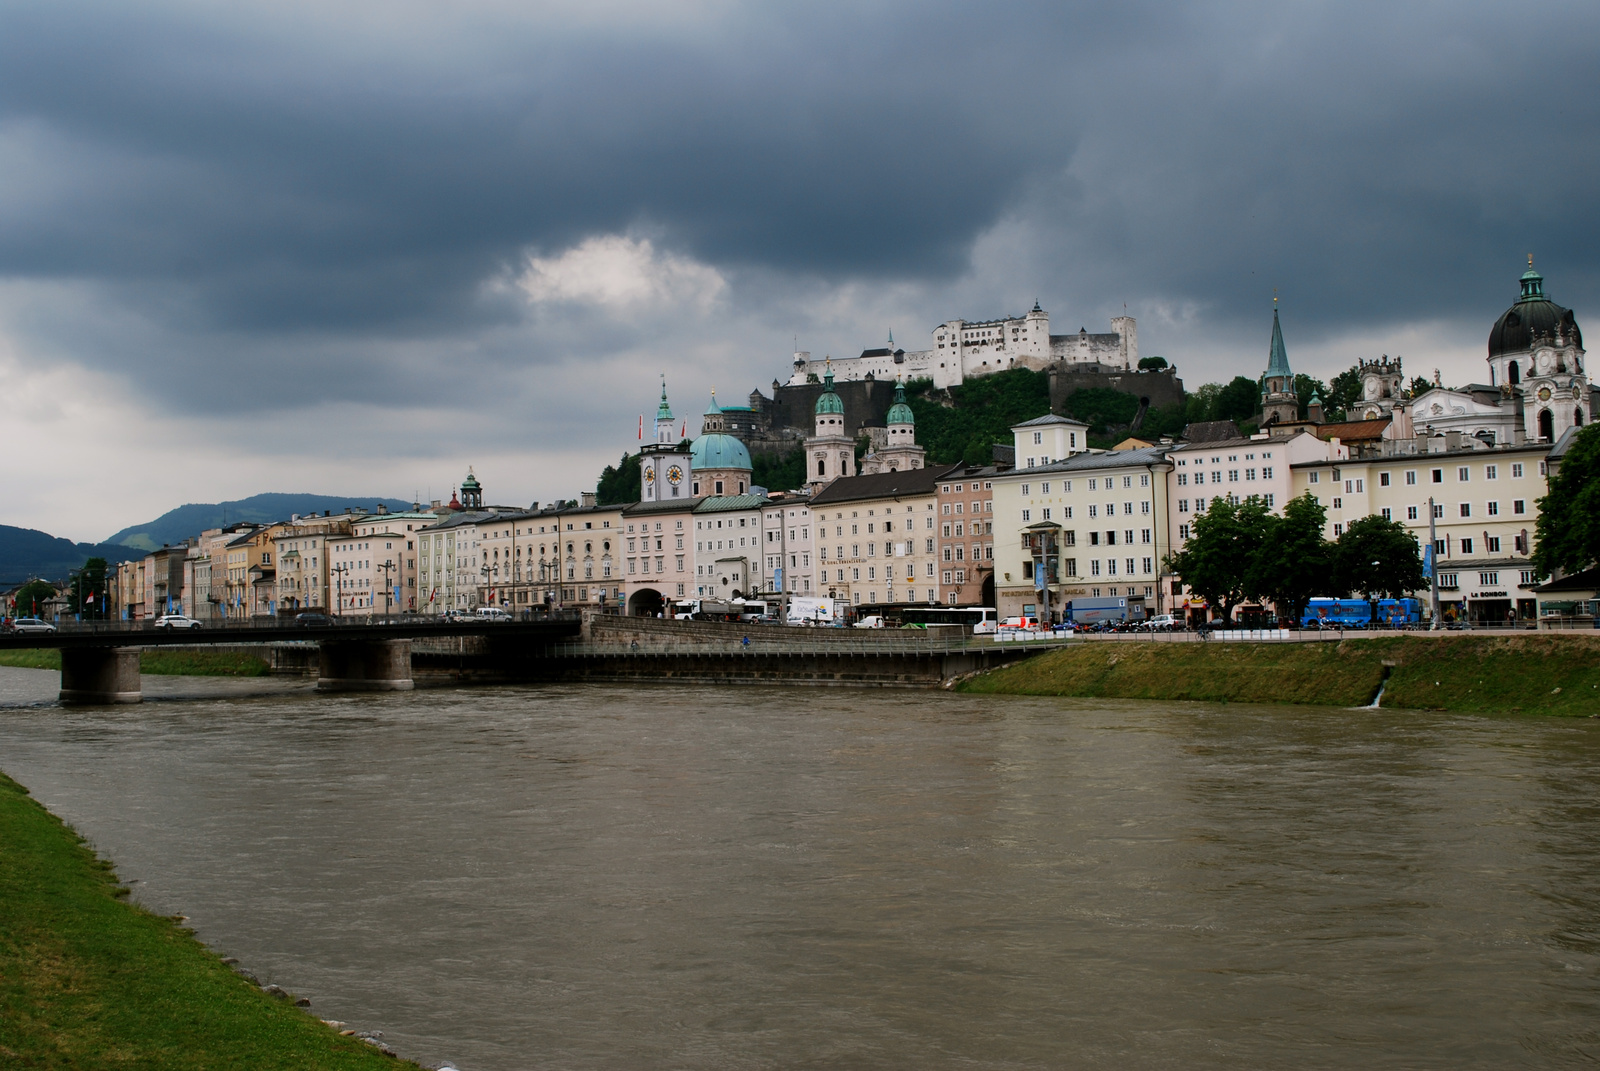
(1162, 623)
(32, 624)
(177, 621)
(492, 613)
(312, 620)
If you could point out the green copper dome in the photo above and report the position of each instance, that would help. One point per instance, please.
(828, 402)
(900, 412)
(663, 411)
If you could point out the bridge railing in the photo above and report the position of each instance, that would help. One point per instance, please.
(244, 626)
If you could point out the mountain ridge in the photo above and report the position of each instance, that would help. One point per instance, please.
(190, 519)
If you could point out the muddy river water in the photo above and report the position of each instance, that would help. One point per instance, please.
(629, 877)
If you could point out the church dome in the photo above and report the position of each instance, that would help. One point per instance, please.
(900, 412)
(718, 450)
(828, 402)
(1532, 317)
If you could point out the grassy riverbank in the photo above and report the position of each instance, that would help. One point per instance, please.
(159, 661)
(89, 980)
(1532, 673)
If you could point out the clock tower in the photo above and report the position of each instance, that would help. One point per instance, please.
(664, 464)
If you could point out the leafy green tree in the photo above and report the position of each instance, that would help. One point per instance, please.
(88, 581)
(1343, 392)
(1304, 387)
(985, 407)
(1294, 562)
(619, 483)
(1102, 408)
(1148, 364)
(31, 597)
(1239, 400)
(1379, 558)
(1202, 403)
(779, 472)
(1218, 560)
(1568, 529)
(1420, 385)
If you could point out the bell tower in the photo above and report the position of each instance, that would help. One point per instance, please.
(1279, 403)
(664, 464)
(830, 453)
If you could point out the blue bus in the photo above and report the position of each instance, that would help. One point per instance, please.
(1357, 613)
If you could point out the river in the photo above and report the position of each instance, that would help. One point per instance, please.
(626, 877)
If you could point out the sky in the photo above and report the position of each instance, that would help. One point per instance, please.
(356, 248)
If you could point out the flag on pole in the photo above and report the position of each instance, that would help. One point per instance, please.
(641, 427)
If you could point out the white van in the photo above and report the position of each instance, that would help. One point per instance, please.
(492, 613)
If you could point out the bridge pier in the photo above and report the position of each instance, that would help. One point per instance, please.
(95, 676)
(364, 666)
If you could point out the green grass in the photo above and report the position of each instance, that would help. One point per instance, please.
(1533, 673)
(158, 661)
(89, 980)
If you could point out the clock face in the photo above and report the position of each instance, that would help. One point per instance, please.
(1544, 394)
(1372, 388)
(649, 474)
(675, 474)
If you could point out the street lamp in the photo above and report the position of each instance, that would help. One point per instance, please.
(338, 571)
(388, 588)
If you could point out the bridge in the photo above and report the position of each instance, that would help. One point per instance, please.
(100, 659)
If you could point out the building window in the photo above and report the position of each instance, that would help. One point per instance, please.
(1516, 471)
(1466, 545)
(1494, 509)
(1492, 545)
(1518, 506)
(1387, 515)
(1466, 509)
(1438, 475)
(1411, 513)
(1491, 472)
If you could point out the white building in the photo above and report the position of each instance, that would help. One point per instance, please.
(728, 546)
(961, 348)
(786, 546)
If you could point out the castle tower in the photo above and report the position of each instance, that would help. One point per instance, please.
(1314, 407)
(900, 451)
(1382, 384)
(1279, 403)
(665, 464)
(1536, 349)
(471, 491)
(830, 453)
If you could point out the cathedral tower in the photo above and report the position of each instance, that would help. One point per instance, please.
(900, 451)
(830, 453)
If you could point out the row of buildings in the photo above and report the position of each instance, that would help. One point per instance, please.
(1060, 521)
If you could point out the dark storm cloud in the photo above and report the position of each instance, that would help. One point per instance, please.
(277, 173)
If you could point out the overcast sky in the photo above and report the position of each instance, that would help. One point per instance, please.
(354, 248)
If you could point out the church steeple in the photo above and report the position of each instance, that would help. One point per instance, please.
(471, 491)
(1279, 403)
(664, 418)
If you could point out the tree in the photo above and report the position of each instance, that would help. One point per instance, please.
(1420, 386)
(619, 483)
(32, 596)
(1379, 557)
(89, 581)
(1294, 561)
(1147, 364)
(1239, 400)
(1304, 387)
(1344, 392)
(1568, 529)
(1216, 562)
(779, 472)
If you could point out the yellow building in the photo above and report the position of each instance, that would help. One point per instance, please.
(876, 536)
(1483, 504)
(1107, 514)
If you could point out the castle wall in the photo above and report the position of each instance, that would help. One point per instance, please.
(1161, 387)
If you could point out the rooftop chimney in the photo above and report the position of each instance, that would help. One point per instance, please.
(588, 499)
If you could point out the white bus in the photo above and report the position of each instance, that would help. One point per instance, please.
(977, 620)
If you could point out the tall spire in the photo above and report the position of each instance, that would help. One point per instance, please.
(1278, 359)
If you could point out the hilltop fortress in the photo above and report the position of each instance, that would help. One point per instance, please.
(960, 348)
(957, 350)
